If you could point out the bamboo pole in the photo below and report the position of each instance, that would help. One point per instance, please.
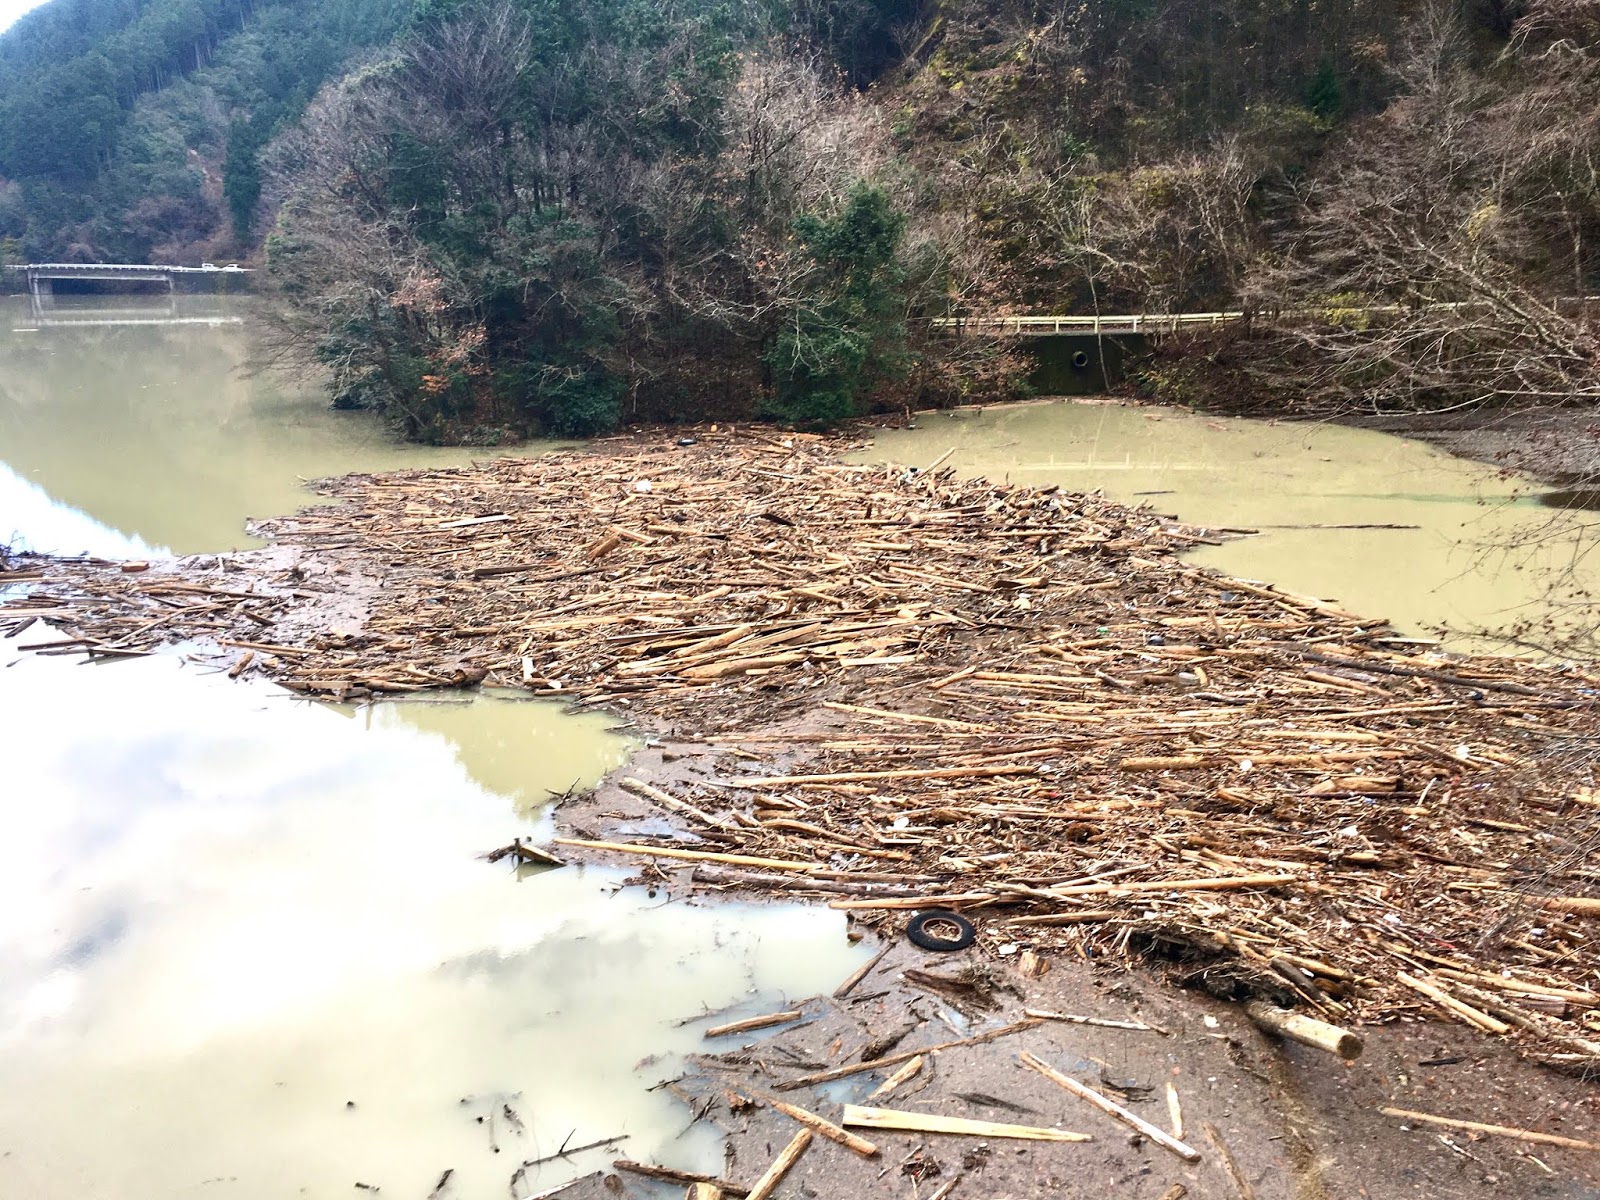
(749, 1023)
(1219, 883)
(673, 1175)
(904, 902)
(775, 781)
(891, 1060)
(667, 800)
(820, 1125)
(904, 1073)
(1155, 1133)
(1586, 906)
(1175, 1110)
(860, 973)
(1521, 1135)
(743, 860)
(1101, 1022)
(1460, 1008)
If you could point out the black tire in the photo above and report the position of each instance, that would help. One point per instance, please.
(917, 930)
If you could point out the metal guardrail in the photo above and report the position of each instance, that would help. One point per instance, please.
(1133, 323)
(1127, 323)
(127, 270)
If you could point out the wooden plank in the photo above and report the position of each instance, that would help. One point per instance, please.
(914, 1122)
(768, 1183)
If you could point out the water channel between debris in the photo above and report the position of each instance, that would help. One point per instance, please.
(1473, 551)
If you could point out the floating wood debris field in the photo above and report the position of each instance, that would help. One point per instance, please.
(919, 690)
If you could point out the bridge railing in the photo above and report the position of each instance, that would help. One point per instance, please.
(1125, 323)
(1156, 323)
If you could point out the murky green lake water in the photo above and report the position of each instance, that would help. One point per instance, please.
(1386, 526)
(248, 946)
(138, 438)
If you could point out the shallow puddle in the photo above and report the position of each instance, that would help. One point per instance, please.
(248, 948)
(131, 439)
(1386, 526)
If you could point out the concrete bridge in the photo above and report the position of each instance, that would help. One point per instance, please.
(41, 278)
(1082, 354)
(1137, 324)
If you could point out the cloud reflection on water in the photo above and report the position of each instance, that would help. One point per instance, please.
(227, 913)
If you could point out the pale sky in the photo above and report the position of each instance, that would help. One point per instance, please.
(10, 10)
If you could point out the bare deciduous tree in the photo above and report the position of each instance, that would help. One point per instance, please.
(1432, 262)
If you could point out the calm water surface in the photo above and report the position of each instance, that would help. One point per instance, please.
(1450, 565)
(247, 946)
(132, 439)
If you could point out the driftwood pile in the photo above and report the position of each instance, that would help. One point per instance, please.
(919, 690)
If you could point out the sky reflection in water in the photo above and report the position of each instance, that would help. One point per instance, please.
(227, 913)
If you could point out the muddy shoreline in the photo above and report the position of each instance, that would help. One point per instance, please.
(785, 617)
(1298, 1123)
(1560, 447)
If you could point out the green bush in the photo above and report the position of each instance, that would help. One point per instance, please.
(848, 335)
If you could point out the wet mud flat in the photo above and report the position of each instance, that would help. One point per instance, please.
(1560, 446)
(1251, 1115)
(896, 690)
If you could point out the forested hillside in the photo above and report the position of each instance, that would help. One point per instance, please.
(490, 216)
(129, 129)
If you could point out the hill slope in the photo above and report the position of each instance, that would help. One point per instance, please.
(129, 129)
(516, 214)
